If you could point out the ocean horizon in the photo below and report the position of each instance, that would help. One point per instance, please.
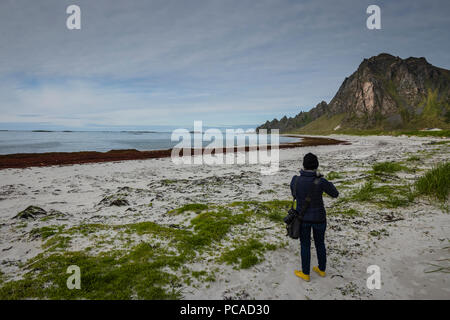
(40, 141)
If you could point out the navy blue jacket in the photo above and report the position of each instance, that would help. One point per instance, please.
(316, 211)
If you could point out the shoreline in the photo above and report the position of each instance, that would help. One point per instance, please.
(26, 160)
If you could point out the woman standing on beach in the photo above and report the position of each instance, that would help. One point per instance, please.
(315, 215)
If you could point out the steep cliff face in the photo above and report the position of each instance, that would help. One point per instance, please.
(385, 92)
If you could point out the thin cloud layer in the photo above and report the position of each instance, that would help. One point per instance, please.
(142, 62)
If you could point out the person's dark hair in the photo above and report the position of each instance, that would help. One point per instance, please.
(310, 161)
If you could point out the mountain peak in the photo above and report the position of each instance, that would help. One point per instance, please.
(384, 92)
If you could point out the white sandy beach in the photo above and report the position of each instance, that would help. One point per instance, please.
(405, 249)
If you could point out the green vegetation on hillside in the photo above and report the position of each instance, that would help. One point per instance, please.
(431, 115)
(321, 125)
(378, 132)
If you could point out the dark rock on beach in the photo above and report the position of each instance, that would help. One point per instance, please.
(30, 212)
(119, 203)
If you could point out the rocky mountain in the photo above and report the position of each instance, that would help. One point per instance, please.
(385, 93)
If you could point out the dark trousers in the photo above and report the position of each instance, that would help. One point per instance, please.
(319, 242)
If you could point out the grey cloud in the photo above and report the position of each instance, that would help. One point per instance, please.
(138, 57)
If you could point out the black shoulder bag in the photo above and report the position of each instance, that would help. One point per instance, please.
(294, 218)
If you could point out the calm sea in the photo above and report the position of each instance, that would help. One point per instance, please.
(57, 141)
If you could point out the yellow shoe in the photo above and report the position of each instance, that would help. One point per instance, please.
(300, 274)
(320, 273)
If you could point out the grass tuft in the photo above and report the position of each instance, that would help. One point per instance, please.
(413, 158)
(195, 207)
(389, 167)
(351, 212)
(247, 254)
(365, 192)
(333, 175)
(390, 196)
(436, 182)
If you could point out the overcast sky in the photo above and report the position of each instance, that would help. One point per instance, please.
(141, 63)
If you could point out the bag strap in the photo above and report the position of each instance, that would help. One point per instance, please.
(294, 192)
(295, 187)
